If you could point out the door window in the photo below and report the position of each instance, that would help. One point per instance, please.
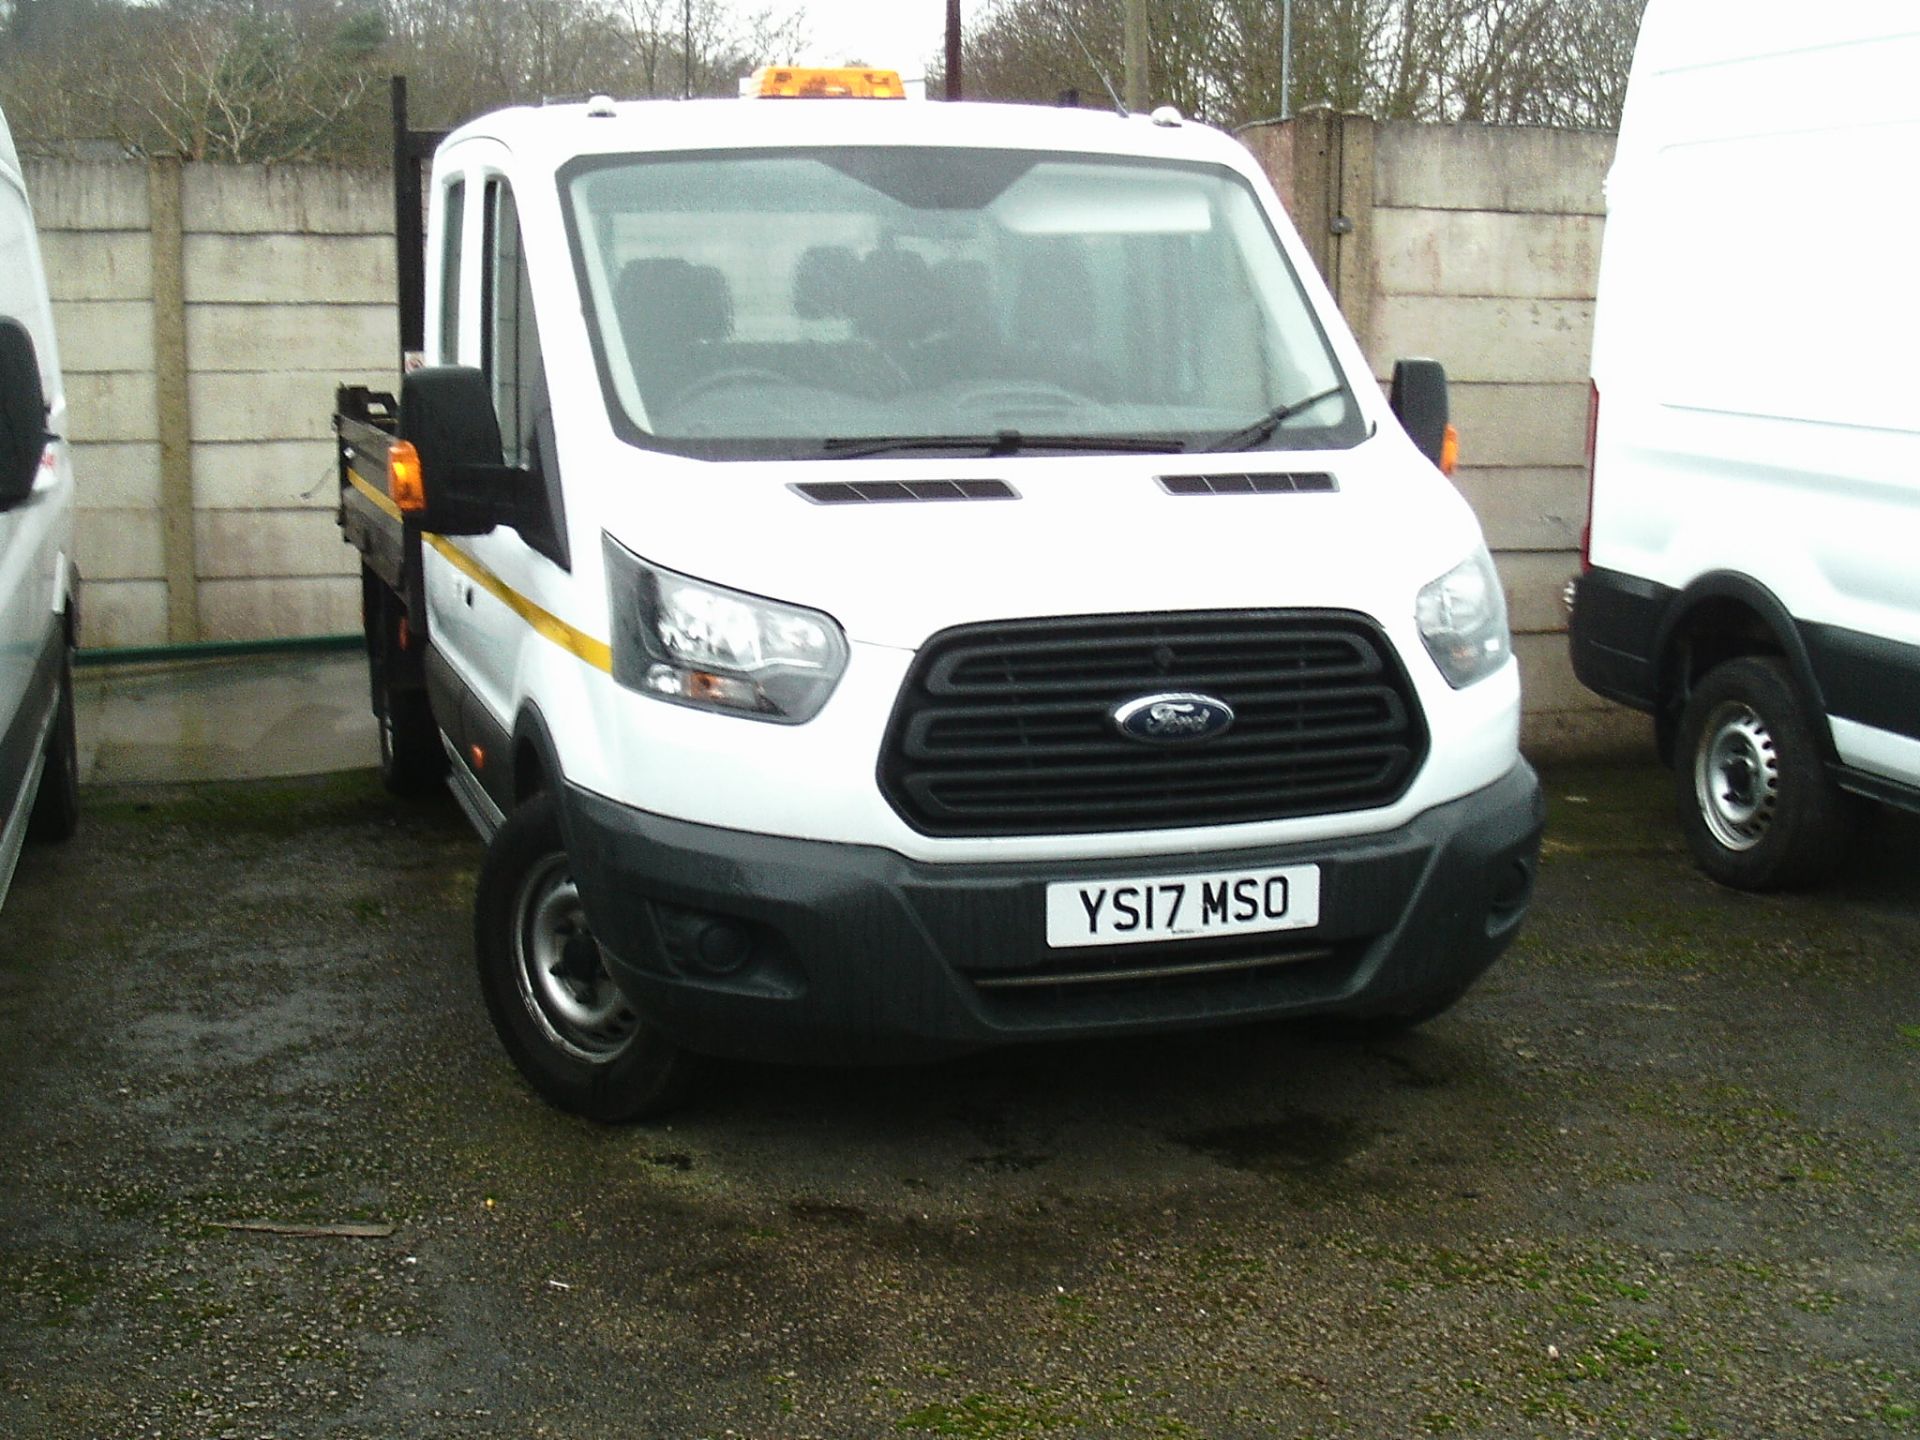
(511, 337)
(452, 228)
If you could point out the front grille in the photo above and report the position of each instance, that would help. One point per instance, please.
(1005, 729)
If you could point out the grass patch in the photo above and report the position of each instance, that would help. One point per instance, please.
(984, 1416)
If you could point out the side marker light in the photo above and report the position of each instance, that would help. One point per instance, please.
(404, 483)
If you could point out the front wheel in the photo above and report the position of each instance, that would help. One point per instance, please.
(1756, 803)
(575, 1037)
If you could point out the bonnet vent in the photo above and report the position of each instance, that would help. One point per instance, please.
(875, 492)
(1311, 482)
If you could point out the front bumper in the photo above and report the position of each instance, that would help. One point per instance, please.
(769, 948)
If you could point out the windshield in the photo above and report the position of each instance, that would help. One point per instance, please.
(813, 302)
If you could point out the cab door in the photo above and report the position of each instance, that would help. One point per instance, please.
(490, 596)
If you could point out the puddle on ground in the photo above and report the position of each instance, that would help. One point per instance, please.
(1296, 1142)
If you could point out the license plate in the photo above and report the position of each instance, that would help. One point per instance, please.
(1182, 907)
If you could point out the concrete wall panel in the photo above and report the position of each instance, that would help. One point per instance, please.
(279, 338)
(297, 405)
(279, 608)
(282, 475)
(1534, 580)
(1527, 509)
(110, 407)
(286, 200)
(118, 613)
(104, 336)
(118, 544)
(76, 195)
(1481, 339)
(243, 544)
(1525, 424)
(117, 477)
(278, 269)
(97, 265)
(1491, 167)
(1477, 252)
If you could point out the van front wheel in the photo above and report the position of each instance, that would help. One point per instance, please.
(575, 1037)
(1756, 803)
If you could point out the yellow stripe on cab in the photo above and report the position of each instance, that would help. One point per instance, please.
(597, 653)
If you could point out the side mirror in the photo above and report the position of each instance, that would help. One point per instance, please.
(446, 411)
(1419, 399)
(23, 414)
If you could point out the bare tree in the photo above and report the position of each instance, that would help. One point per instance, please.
(271, 80)
(221, 86)
(1529, 61)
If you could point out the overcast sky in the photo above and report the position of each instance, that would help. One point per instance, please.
(897, 34)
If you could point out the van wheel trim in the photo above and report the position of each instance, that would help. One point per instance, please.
(562, 977)
(1736, 776)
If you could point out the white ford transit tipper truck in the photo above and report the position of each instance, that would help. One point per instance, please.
(890, 578)
(1749, 572)
(39, 762)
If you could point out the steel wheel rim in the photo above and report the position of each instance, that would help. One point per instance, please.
(561, 973)
(1736, 776)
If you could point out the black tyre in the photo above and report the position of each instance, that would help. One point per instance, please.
(1756, 803)
(56, 809)
(412, 760)
(566, 1024)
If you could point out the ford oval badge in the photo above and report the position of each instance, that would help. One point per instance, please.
(1167, 718)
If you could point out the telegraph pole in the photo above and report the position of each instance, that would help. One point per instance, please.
(1286, 59)
(953, 49)
(1136, 46)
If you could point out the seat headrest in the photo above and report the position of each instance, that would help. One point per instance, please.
(823, 282)
(664, 299)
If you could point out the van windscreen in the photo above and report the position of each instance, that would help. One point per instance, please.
(796, 302)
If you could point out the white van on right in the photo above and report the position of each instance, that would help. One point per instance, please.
(1750, 570)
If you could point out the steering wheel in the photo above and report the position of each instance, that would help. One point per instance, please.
(724, 379)
(1019, 395)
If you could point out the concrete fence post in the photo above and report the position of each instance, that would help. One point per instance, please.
(1321, 161)
(1351, 223)
(171, 399)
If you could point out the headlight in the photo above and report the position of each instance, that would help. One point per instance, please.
(1463, 620)
(703, 645)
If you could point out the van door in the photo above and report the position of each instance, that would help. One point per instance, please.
(492, 595)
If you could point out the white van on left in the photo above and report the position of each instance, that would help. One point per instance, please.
(39, 761)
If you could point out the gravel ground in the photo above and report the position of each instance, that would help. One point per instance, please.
(1655, 1177)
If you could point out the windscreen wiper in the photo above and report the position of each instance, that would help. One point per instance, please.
(1248, 436)
(1000, 442)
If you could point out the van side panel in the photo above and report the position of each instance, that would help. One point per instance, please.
(26, 599)
(36, 536)
(1755, 350)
